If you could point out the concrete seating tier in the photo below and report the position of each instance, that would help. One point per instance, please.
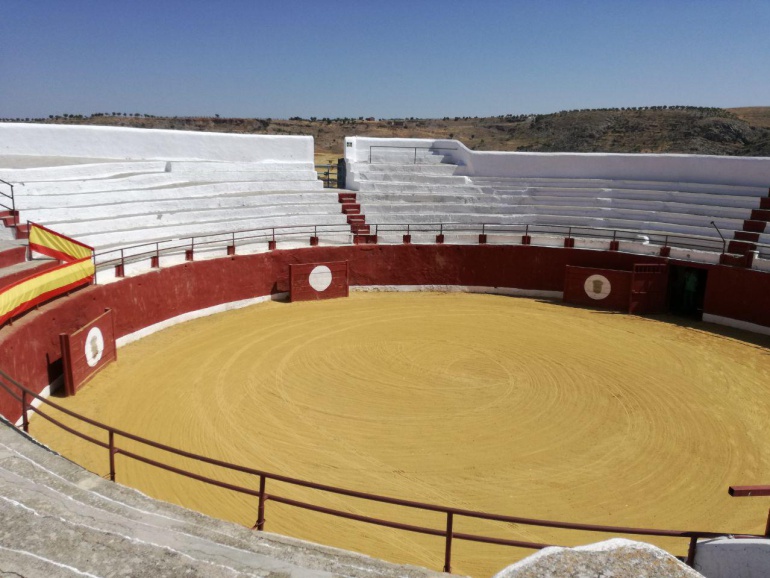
(67, 208)
(413, 193)
(109, 204)
(102, 235)
(416, 178)
(572, 183)
(82, 171)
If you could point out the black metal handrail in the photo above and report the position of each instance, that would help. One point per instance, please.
(12, 206)
(408, 147)
(25, 396)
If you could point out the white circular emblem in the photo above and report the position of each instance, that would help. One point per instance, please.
(320, 278)
(94, 346)
(597, 287)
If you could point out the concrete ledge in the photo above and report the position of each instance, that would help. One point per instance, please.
(737, 323)
(733, 558)
(149, 144)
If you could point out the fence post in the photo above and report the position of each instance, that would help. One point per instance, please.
(767, 526)
(260, 525)
(112, 455)
(24, 416)
(448, 543)
(691, 551)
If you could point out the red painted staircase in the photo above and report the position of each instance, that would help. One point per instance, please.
(356, 219)
(739, 248)
(11, 219)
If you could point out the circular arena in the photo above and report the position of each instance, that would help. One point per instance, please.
(449, 416)
(480, 402)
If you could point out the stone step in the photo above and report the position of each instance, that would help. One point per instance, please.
(424, 169)
(732, 260)
(740, 247)
(760, 215)
(754, 226)
(746, 236)
(351, 208)
(346, 197)
(11, 253)
(764, 203)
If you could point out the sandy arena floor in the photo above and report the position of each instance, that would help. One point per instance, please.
(490, 403)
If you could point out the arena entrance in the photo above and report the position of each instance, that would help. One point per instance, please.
(686, 291)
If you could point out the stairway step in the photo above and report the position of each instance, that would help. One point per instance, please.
(764, 203)
(360, 229)
(356, 219)
(22, 231)
(754, 226)
(351, 208)
(760, 215)
(346, 197)
(365, 239)
(12, 256)
(746, 236)
(732, 260)
(740, 247)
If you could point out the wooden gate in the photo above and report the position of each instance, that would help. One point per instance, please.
(649, 285)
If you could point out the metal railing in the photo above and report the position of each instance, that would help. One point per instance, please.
(155, 249)
(329, 175)
(11, 199)
(25, 397)
(408, 148)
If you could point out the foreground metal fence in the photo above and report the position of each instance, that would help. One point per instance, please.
(25, 398)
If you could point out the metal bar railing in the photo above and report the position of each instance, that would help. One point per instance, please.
(12, 206)
(329, 175)
(408, 148)
(156, 249)
(8, 384)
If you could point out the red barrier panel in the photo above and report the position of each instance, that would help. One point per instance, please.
(605, 288)
(86, 351)
(311, 281)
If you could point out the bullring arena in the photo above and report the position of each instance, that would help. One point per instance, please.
(484, 361)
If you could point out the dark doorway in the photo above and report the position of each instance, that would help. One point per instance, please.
(686, 291)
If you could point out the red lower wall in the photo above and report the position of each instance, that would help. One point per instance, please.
(30, 350)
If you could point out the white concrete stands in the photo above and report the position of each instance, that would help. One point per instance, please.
(151, 186)
(742, 171)
(733, 558)
(664, 194)
(149, 144)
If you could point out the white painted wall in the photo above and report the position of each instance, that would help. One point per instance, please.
(745, 171)
(104, 142)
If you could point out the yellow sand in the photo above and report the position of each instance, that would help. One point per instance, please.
(489, 403)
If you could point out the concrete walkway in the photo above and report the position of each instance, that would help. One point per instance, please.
(56, 519)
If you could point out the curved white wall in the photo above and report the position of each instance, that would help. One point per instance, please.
(744, 171)
(104, 142)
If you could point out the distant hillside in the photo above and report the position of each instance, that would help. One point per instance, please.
(692, 130)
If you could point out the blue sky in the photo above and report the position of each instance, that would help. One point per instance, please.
(394, 58)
